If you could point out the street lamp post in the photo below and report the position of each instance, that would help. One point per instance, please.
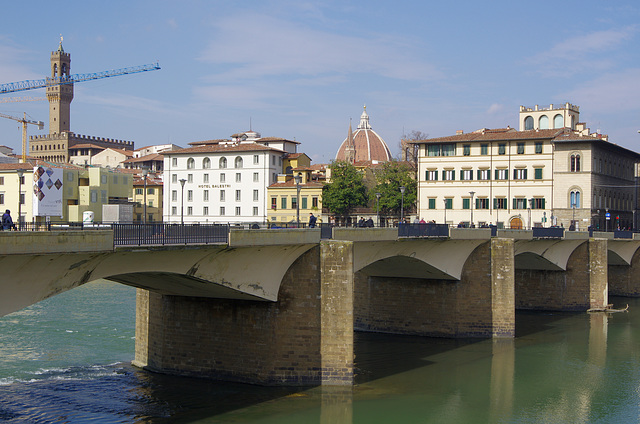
(378, 208)
(145, 172)
(20, 174)
(530, 207)
(182, 181)
(298, 180)
(471, 193)
(607, 217)
(402, 204)
(445, 211)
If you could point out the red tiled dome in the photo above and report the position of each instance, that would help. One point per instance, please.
(368, 145)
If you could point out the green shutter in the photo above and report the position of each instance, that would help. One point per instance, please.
(543, 204)
(514, 203)
(525, 173)
(435, 175)
(538, 173)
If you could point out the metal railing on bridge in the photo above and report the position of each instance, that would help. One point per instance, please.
(428, 229)
(166, 234)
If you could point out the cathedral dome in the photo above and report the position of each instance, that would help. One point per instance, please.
(363, 144)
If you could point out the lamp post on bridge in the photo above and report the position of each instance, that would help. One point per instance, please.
(402, 204)
(145, 172)
(20, 174)
(378, 208)
(445, 211)
(530, 207)
(182, 181)
(471, 193)
(298, 180)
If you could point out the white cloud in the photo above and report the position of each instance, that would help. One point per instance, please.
(12, 68)
(584, 52)
(495, 108)
(256, 46)
(612, 92)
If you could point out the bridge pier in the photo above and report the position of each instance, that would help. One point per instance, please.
(305, 338)
(480, 304)
(581, 286)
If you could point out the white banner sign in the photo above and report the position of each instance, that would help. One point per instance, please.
(47, 191)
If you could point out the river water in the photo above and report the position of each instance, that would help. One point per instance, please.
(66, 360)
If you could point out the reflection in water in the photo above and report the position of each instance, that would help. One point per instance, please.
(502, 374)
(337, 404)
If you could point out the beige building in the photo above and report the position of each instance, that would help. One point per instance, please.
(83, 190)
(543, 174)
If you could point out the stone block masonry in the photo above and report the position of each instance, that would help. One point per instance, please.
(336, 261)
(305, 338)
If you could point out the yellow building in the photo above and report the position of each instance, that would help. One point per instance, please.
(283, 195)
(153, 198)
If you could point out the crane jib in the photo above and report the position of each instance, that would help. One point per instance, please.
(48, 82)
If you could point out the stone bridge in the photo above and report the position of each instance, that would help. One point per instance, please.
(280, 307)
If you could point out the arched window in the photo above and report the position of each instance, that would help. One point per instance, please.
(574, 199)
(223, 162)
(191, 163)
(558, 121)
(206, 163)
(544, 122)
(528, 123)
(238, 162)
(575, 162)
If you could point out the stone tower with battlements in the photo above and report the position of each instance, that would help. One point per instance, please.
(60, 95)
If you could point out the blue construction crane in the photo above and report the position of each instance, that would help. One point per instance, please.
(70, 79)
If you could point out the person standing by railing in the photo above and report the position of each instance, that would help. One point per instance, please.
(312, 220)
(7, 222)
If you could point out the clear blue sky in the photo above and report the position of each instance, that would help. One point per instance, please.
(302, 69)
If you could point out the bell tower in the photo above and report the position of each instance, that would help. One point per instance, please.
(59, 95)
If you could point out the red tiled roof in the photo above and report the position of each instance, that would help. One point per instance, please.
(217, 148)
(267, 139)
(488, 135)
(146, 158)
(200, 143)
(292, 183)
(86, 146)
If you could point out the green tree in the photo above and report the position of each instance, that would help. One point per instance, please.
(346, 190)
(390, 177)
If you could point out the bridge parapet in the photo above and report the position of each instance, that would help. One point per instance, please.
(579, 235)
(365, 234)
(470, 233)
(284, 236)
(43, 242)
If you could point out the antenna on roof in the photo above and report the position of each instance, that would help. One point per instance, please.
(250, 129)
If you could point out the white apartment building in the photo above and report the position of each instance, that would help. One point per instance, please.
(223, 181)
(544, 174)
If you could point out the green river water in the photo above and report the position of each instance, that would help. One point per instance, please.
(66, 360)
